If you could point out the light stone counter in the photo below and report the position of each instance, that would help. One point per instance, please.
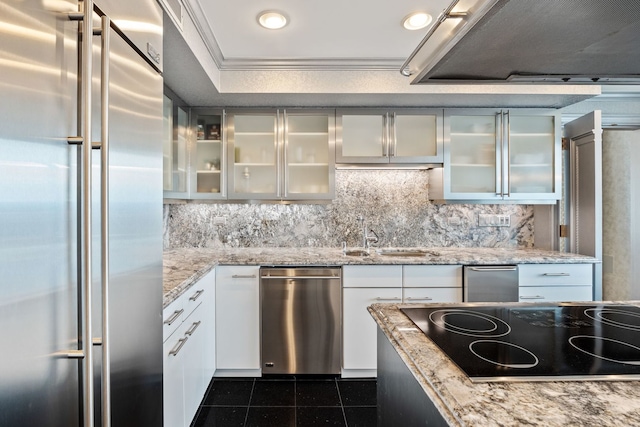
(463, 403)
(184, 267)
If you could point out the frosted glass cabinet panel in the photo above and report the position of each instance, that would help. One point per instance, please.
(167, 142)
(207, 155)
(473, 154)
(281, 154)
(531, 154)
(254, 140)
(175, 146)
(389, 136)
(308, 154)
(499, 155)
(364, 136)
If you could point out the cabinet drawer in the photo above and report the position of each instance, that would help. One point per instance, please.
(239, 274)
(428, 295)
(172, 317)
(555, 293)
(372, 276)
(555, 274)
(427, 276)
(193, 297)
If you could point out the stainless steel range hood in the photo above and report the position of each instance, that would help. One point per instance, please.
(531, 41)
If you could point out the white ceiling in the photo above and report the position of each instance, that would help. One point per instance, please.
(319, 31)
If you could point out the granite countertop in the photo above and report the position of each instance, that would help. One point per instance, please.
(463, 403)
(184, 267)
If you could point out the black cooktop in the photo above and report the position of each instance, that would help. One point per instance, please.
(536, 342)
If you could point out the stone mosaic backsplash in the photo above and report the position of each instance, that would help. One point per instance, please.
(394, 203)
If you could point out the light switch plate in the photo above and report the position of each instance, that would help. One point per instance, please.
(489, 220)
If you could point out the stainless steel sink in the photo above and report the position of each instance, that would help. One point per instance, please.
(399, 252)
(356, 252)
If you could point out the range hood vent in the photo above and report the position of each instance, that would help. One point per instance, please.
(531, 41)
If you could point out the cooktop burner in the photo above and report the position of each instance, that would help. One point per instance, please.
(536, 342)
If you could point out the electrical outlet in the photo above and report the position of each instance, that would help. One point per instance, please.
(453, 220)
(219, 220)
(504, 220)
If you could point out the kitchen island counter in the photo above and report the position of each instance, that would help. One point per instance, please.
(184, 267)
(460, 402)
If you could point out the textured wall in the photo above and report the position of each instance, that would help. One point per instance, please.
(394, 202)
(620, 152)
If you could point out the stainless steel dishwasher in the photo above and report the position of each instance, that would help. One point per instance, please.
(491, 283)
(301, 324)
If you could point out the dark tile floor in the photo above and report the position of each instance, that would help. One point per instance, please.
(288, 402)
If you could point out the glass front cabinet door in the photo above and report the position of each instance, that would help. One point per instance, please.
(175, 150)
(281, 154)
(207, 155)
(499, 156)
(389, 136)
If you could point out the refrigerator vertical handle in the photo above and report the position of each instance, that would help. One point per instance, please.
(86, 327)
(500, 173)
(508, 154)
(104, 219)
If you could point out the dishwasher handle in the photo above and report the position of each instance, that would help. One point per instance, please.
(321, 273)
(301, 277)
(502, 268)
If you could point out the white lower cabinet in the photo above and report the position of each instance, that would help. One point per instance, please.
(359, 329)
(555, 282)
(366, 285)
(431, 283)
(555, 293)
(429, 295)
(173, 380)
(363, 286)
(237, 321)
(185, 353)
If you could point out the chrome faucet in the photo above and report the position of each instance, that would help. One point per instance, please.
(366, 239)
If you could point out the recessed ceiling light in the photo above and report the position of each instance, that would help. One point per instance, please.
(272, 20)
(416, 20)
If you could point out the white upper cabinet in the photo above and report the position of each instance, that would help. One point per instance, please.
(281, 154)
(498, 156)
(381, 136)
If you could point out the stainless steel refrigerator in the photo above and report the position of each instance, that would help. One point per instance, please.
(80, 213)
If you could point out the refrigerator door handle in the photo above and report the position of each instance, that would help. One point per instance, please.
(86, 211)
(104, 218)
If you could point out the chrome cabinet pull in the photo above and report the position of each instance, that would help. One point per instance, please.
(196, 295)
(394, 136)
(193, 328)
(385, 135)
(556, 274)
(284, 139)
(175, 350)
(388, 299)
(419, 299)
(532, 297)
(174, 316)
(244, 276)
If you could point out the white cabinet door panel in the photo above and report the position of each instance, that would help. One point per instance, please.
(359, 328)
(237, 318)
